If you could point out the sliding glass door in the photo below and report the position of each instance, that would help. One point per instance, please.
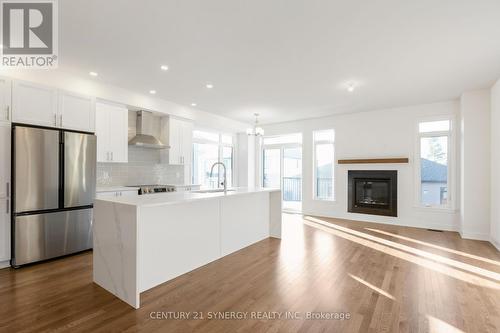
(292, 178)
(282, 168)
(272, 168)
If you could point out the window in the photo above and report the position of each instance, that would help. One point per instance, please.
(324, 161)
(209, 148)
(434, 144)
(283, 139)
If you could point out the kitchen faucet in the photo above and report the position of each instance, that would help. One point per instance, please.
(225, 179)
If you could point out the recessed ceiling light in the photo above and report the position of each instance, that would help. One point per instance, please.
(152, 92)
(93, 74)
(209, 85)
(193, 104)
(350, 87)
(164, 67)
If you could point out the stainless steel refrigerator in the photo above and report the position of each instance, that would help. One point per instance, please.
(53, 191)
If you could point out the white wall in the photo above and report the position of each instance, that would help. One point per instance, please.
(475, 164)
(383, 133)
(94, 87)
(245, 162)
(495, 165)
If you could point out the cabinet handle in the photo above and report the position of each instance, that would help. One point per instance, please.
(55, 119)
(8, 113)
(60, 120)
(7, 209)
(7, 189)
(112, 159)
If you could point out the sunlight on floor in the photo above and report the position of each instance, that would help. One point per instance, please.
(464, 254)
(369, 285)
(439, 326)
(415, 259)
(457, 264)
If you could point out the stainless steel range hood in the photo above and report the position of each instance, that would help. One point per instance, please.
(145, 137)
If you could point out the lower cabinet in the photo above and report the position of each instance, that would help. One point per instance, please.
(4, 232)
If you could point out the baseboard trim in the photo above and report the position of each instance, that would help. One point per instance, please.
(444, 227)
(474, 236)
(4, 264)
(495, 243)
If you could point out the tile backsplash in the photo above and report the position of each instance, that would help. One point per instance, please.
(143, 168)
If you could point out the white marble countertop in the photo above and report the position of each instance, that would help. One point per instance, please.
(102, 189)
(183, 185)
(159, 199)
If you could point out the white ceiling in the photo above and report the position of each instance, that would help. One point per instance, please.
(285, 59)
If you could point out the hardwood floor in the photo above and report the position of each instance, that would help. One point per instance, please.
(386, 278)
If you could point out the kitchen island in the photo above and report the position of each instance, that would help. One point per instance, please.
(143, 241)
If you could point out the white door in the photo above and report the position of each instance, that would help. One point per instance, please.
(4, 160)
(118, 134)
(102, 133)
(4, 229)
(5, 100)
(34, 104)
(77, 111)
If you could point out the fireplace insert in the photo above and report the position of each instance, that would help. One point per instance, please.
(373, 192)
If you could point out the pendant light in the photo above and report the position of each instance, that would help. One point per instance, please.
(256, 130)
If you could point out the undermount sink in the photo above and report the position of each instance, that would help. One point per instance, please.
(213, 190)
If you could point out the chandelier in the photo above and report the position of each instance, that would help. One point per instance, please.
(256, 130)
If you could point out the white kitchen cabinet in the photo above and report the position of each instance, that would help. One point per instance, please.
(5, 100)
(4, 195)
(5, 131)
(76, 111)
(37, 104)
(4, 232)
(112, 133)
(178, 134)
(34, 103)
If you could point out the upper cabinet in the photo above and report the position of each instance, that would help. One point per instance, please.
(112, 133)
(5, 100)
(76, 111)
(37, 104)
(178, 134)
(33, 103)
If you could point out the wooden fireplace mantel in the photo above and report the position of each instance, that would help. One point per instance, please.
(374, 160)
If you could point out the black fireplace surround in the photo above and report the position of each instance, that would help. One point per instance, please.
(373, 192)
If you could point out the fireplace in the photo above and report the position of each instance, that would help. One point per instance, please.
(373, 192)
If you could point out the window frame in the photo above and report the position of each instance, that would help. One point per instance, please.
(220, 152)
(451, 162)
(314, 163)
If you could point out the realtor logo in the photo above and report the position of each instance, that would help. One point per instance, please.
(29, 33)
